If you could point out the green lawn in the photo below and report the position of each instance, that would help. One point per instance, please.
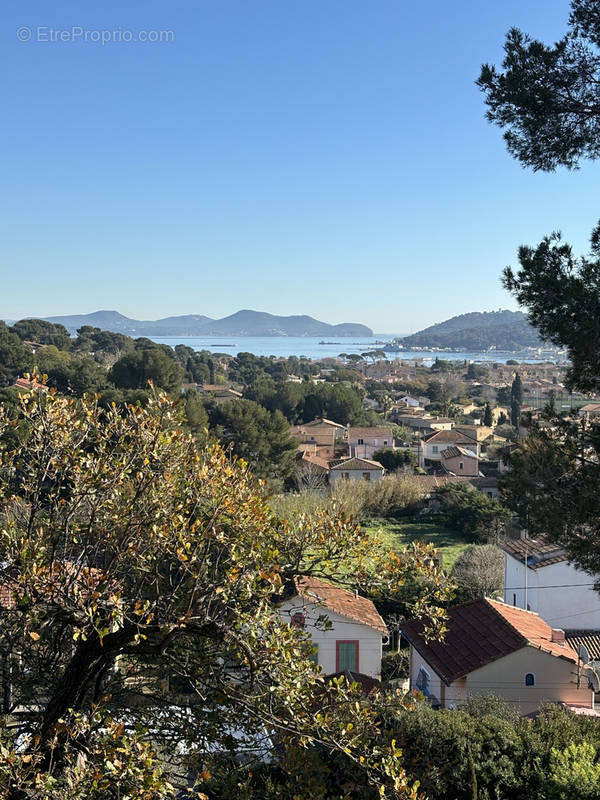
(396, 534)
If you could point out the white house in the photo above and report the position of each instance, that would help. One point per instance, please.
(355, 469)
(355, 639)
(363, 442)
(492, 647)
(433, 444)
(538, 576)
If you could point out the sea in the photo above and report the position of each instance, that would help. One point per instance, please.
(317, 348)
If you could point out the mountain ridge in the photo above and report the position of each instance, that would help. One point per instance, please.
(245, 322)
(478, 330)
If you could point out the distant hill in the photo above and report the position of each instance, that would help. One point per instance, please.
(242, 323)
(479, 330)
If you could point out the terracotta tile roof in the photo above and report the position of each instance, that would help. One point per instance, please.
(312, 458)
(342, 601)
(481, 632)
(590, 640)
(370, 433)
(322, 421)
(23, 383)
(449, 437)
(537, 552)
(356, 463)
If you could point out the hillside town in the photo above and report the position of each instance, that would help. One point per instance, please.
(300, 401)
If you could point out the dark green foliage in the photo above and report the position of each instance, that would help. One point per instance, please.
(505, 330)
(196, 366)
(473, 514)
(553, 487)
(476, 372)
(449, 751)
(195, 415)
(42, 332)
(258, 436)
(562, 296)
(516, 390)
(104, 346)
(15, 357)
(392, 460)
(547, 98)
(135, 369)
(515, 413)
(302, 402)
(488, 419)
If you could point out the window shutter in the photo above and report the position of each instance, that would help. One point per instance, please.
(347, 653)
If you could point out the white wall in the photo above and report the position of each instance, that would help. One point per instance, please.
(416, 663)
(555, 592)
(370, 641)
(430, 452)
(354, 475)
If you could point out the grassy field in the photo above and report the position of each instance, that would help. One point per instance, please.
(396, 534)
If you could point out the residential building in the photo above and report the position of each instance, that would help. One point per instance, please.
(433, 444)
(311, 470)
(590, 411)
(460, 461)
(219, 393)
(477, 432)
(354, 642)
(492, 647)
(538, 576)
(363, 442)
(355, 469)
(423, 424)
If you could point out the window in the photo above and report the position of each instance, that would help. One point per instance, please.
(298, 620)
(514, 599)
(461, 464)
(530, 679)
(366, 476)
(434, 448)
(423, 681)
(346, 655)
(314, 656)
(345, 476)
(385, 442)
(361, 441)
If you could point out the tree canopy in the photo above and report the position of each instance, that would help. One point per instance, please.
(139, 578)
(547, 97)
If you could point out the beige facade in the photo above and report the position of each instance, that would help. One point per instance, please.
(554, 679)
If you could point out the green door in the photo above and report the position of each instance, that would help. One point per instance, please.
(347, 656)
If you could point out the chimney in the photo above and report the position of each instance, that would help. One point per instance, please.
(558, 635)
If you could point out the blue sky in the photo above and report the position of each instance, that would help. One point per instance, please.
(327, 157)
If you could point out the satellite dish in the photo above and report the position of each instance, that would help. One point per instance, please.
(584, 654)
(593, 679)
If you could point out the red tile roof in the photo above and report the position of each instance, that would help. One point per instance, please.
(342, 601)
(449, 437)
(357, 463)
(370, 433)
(481, 632)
